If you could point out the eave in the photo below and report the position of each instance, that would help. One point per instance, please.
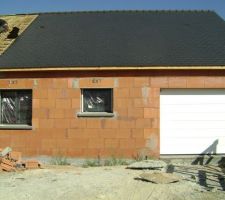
(112, 68)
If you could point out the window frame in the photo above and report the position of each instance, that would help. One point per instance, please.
(83, 113)
(15, 126)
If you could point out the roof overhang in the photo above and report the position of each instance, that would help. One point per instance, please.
(113, 68)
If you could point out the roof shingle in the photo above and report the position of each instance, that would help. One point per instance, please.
(120, 38)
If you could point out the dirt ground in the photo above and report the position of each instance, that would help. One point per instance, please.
(109, 183)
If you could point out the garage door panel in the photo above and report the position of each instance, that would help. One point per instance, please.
(206, 108)
(180, 146)
(191, 120)
(193, 99)
(194, 133)
(195, 124)
(192, 92)
(212, 116)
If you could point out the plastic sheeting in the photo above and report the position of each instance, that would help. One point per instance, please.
(16, 107)
(8, 108)
(97, 100)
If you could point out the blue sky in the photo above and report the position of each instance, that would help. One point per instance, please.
(30, 6)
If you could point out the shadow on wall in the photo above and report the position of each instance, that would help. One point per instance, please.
(207, 152)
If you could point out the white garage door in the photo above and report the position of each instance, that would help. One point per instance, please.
(192, 121)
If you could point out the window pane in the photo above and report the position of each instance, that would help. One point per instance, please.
(16, 107)
(97, 100)
(8, 108)
(24, 107)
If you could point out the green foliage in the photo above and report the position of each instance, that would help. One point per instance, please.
(113, 161)
(139, 157)
(142, 154)
(59, 160)
(92, 163)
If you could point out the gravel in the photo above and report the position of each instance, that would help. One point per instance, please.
(110, 183)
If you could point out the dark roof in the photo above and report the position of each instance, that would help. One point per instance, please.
(120, 38)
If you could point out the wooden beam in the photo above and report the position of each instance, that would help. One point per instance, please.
(113, 68)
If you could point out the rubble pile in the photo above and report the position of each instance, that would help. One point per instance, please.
(11, 161)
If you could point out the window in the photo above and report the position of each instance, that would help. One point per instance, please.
(15, 108)
(97, 102)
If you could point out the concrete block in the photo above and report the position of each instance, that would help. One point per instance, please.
(5, 151)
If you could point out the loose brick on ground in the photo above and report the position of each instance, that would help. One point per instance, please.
(15, 155)
(7, 168)
(5, 151)
(8, 162)
(32, 164)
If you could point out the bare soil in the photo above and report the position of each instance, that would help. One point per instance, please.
(109, 183)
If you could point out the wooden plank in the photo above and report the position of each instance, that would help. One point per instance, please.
(20, 21)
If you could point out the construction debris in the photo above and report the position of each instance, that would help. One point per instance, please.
(5, 151)
(147, 164)
(15, 155)
(32, 164)
(11, 161)
(160, 177)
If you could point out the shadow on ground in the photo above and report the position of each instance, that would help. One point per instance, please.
(205, 174)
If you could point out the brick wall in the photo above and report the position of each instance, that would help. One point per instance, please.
(57, 98)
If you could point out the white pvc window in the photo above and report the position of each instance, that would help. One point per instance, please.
(15, 107)
(97, 100)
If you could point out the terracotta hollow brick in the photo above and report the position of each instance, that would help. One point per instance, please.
(60, 83)
(107, 133)
(40, 93)
(123, 133)
(127, 143)
(135, 112)
(127, 123)
(6, 167)
(78, 123)
(137, 133)
(177, 82)
(110, 123)
(151, 113)
(56, 113)
(47, 103)
(63, 103)
(76, 103)
(160, 82)
(214, 82)
(141, 81)
(111, 143)
(136, 92)
(96, 143)
(94, 123)
(61, 123)
(143, 123)
(195, 82)
(121, 92)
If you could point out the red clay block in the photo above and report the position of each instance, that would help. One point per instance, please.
(7, 168)
(32, 164)
(15, 155)
(8, 162)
